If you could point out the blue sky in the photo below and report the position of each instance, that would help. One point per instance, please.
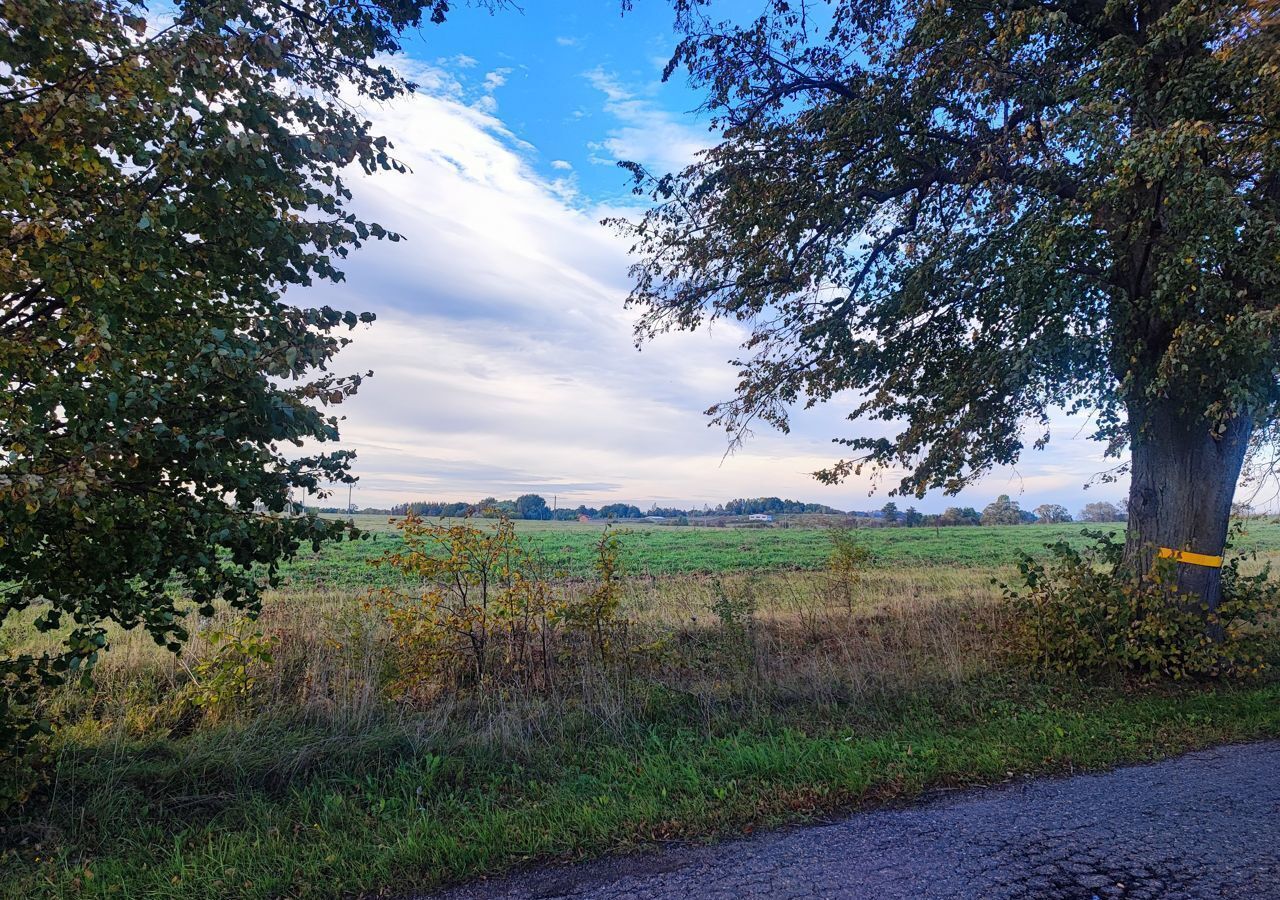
(555, 68)
(503, 356)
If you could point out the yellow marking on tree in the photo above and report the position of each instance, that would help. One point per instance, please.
(1193, 559)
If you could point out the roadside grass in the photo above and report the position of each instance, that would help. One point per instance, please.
(272, 808)
(727, 702)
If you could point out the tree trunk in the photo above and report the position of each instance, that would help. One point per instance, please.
(1183, 481)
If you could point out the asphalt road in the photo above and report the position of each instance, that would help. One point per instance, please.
(1203, 825)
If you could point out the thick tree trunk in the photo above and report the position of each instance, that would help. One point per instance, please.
(1183, 481)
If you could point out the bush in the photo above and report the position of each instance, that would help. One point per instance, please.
(848, 563)
(1082, 614)
(480, 617)
(488, 615)
(596, 612)
(734, 605)
(237, 657)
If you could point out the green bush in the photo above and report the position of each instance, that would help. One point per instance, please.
(230, 671)
(1081, 613)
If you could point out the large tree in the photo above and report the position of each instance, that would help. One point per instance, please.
(163, 181)
(967, 214)
(1002, 511)
(1052, 513)
(532, 506)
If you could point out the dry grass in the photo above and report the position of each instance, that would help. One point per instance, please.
(724, 702)
(782, 638)
(790, 638)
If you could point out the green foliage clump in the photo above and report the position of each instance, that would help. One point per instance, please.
(596, 613)
(1083, 613)
(233, 667)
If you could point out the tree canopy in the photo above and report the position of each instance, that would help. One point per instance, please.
(165, 179)
(966, 215)
(1002, 511)
(532, 506)
(1052, 513)
(1101, 511)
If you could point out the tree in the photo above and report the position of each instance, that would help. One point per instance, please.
(1052, 514)
(1242, 510)
(1101, 511)
(911, 518)
(532, 506)
(971, 214)
(889, 513)
(956, 515)
(1002, 511)
(620, 511)
(162, 186)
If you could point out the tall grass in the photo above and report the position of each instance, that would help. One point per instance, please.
(807, 640)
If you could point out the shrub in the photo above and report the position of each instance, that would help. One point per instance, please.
(596, 611)
(480, 617)
(238, 655)
(735, 606)
(1083, 614)
(849, 561)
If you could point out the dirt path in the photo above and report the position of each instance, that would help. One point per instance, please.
(1203, 825)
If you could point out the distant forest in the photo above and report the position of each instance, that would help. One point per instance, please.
(1001, 511)
(534, 506)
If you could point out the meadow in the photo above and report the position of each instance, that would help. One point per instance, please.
(659, 550)
(746, 678)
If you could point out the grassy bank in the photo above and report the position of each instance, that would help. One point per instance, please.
(271, 810)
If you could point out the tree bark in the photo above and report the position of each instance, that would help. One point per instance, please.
(1183, 480)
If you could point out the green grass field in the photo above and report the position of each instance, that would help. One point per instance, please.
(674, 550)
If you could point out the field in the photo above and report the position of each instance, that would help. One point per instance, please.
(656, 550)
(743, 681)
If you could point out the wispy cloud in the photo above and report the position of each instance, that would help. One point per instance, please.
(487, 102)
(457, 61)
(643, 131)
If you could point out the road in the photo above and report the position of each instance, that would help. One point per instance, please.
(1203, 825)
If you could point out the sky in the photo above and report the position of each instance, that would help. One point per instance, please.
(504, 360)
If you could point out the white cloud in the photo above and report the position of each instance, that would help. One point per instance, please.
(496, 79)
(457, 61)
(565, 41)
(503, 356)
(488, 103)
(562, 164)
(645, 132)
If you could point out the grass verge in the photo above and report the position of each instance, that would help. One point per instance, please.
(269, 810)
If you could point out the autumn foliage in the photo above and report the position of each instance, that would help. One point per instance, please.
(486, 612)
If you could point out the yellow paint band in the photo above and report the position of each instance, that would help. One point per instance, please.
(1193, 559)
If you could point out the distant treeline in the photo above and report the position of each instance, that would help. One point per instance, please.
(535, 506)
(1001, 511)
